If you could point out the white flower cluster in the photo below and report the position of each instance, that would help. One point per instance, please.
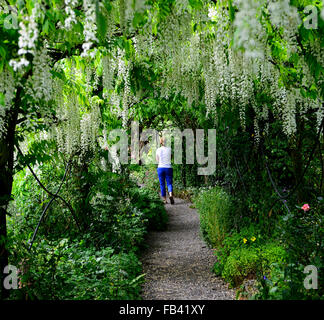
(69, 10)
(126, 13)
(89, 126)
(90, 28)
(77, 132)
(249, 33)
(289, 113)
(216, 77)
(126, 95)
(68, 131)
(108, 72)
(212, 13)
(28, 35)
(320, 116)
(285, 16)
(40, 83)
(282, 14)
(177, 54)
(7, 90)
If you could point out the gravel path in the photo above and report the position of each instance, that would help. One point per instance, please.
(178, 263)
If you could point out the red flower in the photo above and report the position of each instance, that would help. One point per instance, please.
(305, 207)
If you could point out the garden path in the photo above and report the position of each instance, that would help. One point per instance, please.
(178, 264)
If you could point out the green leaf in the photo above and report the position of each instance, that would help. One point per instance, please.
(2, 52)
(273, 290)
(2, 99)
(196, 4)
(45, 27)
(101, 24)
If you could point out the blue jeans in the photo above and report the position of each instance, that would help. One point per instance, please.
(165, 174)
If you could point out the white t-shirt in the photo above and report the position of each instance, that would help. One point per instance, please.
(164, 154)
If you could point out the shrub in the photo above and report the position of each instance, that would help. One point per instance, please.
(147, 175)
(117, 223)
(251, 261)
(215, 207)
(302, 234)
(148, 201)
(72, 270)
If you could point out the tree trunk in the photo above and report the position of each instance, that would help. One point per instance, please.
(7, 144)
(82, 188)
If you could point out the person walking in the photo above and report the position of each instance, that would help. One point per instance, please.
(165, 170)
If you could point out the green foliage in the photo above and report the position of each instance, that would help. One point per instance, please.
(286, 282)
(149, 202)
(215, 209)
(302, 235)
(248, 253)
(100, 262)
(74, 271)
(147, 175)
(245, 262)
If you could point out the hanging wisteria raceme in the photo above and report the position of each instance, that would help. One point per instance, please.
(282, 14)
(90, 28)
(77, 132)
(7, 92)
(289, 112)
(71, 16)
(286, 17)
(89, 125)
(120, 102)
(126, 94)
(28, 35)
(108, 72)
(249, 33)
(68, 130)
(169, 49)
(40, 84)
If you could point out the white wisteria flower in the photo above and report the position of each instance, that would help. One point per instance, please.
(69, 10)
(90, 27)
(28, 35)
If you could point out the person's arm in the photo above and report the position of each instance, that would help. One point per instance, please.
(157, 156)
